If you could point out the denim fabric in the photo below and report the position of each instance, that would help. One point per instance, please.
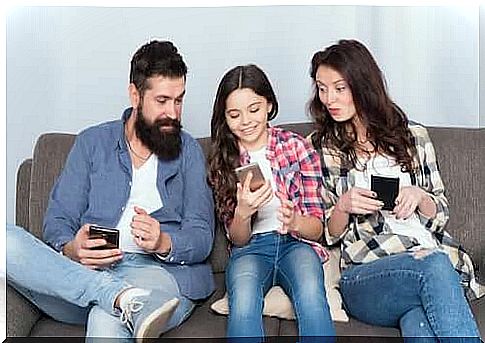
(94, 187)
(418, 292)
(47, 278)
(273, 259)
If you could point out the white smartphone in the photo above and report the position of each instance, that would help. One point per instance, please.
(258, 179)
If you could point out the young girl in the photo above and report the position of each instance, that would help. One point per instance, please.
(274, 229)
(396, 270)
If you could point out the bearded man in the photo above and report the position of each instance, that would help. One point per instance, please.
(145, 177)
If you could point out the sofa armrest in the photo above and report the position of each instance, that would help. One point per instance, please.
(22, 201)
(21, 314)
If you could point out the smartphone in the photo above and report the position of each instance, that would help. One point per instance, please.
(387, 190)
(258, 179)
(112, 236)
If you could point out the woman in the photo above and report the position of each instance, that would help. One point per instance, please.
(397, 271)
(273, 230)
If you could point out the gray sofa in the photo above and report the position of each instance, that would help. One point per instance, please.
(460, 152)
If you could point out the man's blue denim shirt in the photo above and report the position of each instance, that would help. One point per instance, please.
(94, 187)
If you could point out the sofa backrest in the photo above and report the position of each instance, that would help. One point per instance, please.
(459, 151)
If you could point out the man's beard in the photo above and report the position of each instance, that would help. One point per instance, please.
(166, 142)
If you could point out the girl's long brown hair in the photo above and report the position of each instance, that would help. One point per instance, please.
(224, 152)
(385, 122)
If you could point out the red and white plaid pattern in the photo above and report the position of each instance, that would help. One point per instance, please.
(297, 172)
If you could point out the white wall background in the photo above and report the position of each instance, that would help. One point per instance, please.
(67, 67)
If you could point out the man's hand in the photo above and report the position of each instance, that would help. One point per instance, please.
(80, 250)
(147, 234)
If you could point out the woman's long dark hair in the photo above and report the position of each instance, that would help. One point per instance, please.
(385, 122)
(224, 153)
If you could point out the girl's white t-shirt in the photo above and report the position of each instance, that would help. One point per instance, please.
(266, 220)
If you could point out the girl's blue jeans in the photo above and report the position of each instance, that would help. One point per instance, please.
(273, 259)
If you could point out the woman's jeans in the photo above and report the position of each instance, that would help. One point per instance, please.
(272, 259)
(72, 293)
(418, 292)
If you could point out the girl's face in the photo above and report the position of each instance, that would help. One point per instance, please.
(335, 94)
(247, 117)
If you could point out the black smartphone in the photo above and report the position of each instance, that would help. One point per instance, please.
(112, 236)
(387, 190)
(258, 179)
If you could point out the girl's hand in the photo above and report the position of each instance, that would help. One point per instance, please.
(249, 202)
(286, 215)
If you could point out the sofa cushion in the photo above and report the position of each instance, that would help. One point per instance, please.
(50, 154)
(460, 155)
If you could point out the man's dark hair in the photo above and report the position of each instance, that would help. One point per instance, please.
(156, 58)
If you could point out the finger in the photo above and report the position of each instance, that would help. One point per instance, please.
(263, 199)
(283, 219)
(140, 210)
(141, 234)
(142, 226)
(285, 211)
(365, 192)
(284, 201)
(83, 232)
(366, 203)
(265, 202)
(142, 219)
(142, 243)
(93, 243)
(100, 253)
(99, 261)
(247, 182)
(365, 207)
(283, 198)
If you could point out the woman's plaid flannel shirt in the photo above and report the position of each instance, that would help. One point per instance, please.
(368, 237)
(297, 173)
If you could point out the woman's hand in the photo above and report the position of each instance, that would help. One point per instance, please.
(249, 202)
(359, 201)
(409, 198)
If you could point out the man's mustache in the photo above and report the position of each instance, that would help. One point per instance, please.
(174, 124)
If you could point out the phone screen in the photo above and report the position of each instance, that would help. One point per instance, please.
(258, 179)
(387, 189)
(112, 236)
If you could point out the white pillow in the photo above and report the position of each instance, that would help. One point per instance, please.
(277, 303)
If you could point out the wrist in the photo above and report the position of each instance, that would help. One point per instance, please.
(165, 245)
(242, 217)
(338, 208)
(68, 250)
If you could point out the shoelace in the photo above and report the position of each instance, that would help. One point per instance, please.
(126, 313)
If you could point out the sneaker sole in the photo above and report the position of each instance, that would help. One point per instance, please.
(154, 324)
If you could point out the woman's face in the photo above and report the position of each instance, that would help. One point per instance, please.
(247, 117)
(335, 94)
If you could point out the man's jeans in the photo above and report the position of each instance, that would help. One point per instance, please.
(72, 293)
(418, 292)
(273, 259)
